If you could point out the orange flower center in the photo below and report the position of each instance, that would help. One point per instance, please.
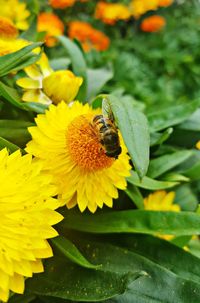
(84, 145)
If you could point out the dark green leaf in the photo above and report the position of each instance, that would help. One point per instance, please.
(134, 194)
(135, 221)
(66, 280)
(11, 95)
(10, 146)
(69, 250)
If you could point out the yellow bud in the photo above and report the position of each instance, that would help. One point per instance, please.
(61, 85)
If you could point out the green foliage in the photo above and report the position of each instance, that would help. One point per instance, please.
(151, 83)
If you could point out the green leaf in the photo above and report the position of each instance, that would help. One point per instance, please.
(11, 95)
(60, 63)
(165, 163)
(69, 250)
(149, 183)
(192, 123)
(134, 194)
(161, 252)
(78, 65)
(21, 299)
(15, 131)
(67, 280)
(97, 78)
(35, 107)
(135, 221)
(11, 62)
(160, 138)
(134, 128)
(175, 177)
(172, 115)
(185, 198)
(194, 172)
(10, 146)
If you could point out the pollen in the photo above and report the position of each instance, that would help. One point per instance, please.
(84, 145)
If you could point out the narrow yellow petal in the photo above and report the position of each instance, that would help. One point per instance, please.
(29, 83)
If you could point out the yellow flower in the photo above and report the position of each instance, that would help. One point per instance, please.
(15, 11)
(46, 86)
(69, 146)
(8, 46)
(27, 215)
(198, 145)
(161, 201)
(61, 85)
(110, 13)
(140, 7)
(7, 28)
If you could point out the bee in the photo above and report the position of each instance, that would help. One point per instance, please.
(107, 131)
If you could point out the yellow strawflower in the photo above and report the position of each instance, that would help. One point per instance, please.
(16, 11)
(27, 215)
(161, 201)
(44, 85)
(66, 141)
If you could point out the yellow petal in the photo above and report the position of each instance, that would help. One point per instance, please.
(17, 284)
(33, 72)
(29, 83)
(35, 96)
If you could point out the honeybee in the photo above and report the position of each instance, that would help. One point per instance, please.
(107, 131)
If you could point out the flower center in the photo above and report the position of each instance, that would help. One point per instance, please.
(84, 145)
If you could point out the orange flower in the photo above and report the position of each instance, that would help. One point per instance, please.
(110, 13)
(153, 24)
(62, 3)
(7, 28)
(165, 3)
(52, 25)
(88, 36)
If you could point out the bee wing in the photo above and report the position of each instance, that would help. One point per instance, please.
(106, 110)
